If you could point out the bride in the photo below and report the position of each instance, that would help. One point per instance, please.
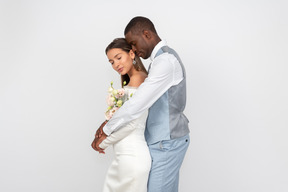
(129, 170)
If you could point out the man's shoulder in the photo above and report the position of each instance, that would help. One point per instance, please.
(166, 58)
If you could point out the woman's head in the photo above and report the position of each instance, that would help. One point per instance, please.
(123, 59)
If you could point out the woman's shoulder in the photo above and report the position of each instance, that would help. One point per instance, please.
(137, 79)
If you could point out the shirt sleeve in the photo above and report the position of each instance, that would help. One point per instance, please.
(159, 80)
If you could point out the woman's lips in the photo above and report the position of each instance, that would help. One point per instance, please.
(120, 70)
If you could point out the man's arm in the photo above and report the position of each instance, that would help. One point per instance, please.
(161, 77)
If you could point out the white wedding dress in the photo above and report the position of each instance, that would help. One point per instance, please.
(129, 170)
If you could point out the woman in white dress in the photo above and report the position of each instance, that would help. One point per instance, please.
(129, 170)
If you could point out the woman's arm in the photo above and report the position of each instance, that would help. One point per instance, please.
(118, 135)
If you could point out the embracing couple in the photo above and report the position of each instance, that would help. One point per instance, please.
(149, 133)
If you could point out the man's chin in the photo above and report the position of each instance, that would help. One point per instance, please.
(142, 56)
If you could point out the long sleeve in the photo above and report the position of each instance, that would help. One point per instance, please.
(165, 72)
(118, 135)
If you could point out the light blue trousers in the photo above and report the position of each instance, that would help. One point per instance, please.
(167, 157)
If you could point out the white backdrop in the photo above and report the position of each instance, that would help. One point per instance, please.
(54, 75)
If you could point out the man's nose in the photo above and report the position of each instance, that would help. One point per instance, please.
(134, 49)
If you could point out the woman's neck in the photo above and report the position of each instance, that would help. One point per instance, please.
(136, 78)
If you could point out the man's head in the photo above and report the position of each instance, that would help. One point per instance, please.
(141, 34)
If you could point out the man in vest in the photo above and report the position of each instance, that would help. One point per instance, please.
(164, 93)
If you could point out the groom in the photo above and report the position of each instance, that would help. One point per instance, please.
(164, 93)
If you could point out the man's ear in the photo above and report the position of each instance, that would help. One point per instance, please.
(147, 34)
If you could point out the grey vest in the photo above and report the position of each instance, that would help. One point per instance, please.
(166, 119)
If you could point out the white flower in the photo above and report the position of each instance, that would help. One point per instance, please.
(114, 92)
(110, 90)
(119, 103)
(110, 100)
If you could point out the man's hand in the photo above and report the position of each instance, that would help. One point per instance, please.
(99, 137)
(99, 132)
(96, 142)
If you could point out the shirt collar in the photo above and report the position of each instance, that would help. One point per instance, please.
(156, 49)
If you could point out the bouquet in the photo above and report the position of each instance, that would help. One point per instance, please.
(115, 100)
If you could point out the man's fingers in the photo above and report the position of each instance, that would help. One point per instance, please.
(101, 132)
(98, 133)
(94, 146)
(99, 137)
(101, 151)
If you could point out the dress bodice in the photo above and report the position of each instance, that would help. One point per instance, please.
(129, 91)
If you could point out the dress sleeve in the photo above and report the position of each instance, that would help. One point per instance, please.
(118, 135)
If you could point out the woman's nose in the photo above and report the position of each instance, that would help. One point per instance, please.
(117, 64)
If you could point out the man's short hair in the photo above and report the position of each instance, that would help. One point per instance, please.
(139, 24)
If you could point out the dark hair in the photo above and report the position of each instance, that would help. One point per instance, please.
(121, 43)
(139, 24)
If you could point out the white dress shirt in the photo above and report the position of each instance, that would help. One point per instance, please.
(165, 71)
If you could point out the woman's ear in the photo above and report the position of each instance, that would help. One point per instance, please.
(132, 54)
